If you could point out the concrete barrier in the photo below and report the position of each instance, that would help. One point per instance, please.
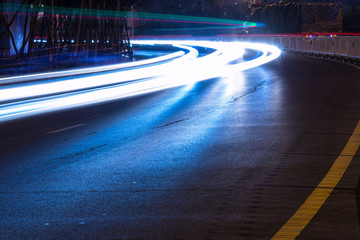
(346, 48)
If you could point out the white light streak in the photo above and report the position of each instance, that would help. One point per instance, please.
(113, 82)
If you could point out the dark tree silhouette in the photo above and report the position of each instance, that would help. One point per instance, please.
(58, 26)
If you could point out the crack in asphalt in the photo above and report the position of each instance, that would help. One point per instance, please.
(44, 168)
(168, 124)
(82, 152)
(248, 93)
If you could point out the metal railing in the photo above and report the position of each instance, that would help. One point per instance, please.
(345, 48)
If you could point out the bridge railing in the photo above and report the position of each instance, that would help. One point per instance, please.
(346, 48)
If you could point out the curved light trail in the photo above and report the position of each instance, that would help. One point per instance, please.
(42, 93)
(42, 76)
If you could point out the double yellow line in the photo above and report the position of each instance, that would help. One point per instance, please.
(293, 227)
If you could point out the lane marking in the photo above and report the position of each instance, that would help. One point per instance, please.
(95, 116)
(297, 223)
(67, 128)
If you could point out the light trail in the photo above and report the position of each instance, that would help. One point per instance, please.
(115, 82)
(42, 76)
(111, 14)
(88, 82)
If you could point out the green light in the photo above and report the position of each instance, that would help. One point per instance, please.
(13, 8)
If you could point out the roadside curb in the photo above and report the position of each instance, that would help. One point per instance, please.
(337, 59)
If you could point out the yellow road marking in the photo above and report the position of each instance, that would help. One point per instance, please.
(293, 227)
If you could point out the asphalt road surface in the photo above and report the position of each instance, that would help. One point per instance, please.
(230, 158)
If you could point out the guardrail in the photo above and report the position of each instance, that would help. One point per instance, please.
(344, 48)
